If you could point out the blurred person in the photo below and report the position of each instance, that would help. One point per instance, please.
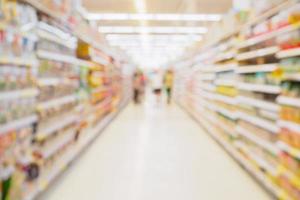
(137, 86)
(143, 85)
(168, 84)
(157, 85)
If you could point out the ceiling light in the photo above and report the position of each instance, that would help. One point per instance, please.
(141, 15)
(150, 46)
(158, 29)
(150, 42)
(157, 37)
(108, 16)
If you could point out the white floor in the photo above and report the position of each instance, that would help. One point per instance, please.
(151, 153)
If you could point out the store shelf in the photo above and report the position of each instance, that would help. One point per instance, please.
(227, 113)
(16, 94)
(218, 97)
(257, 19)
(101, 89)
(261, 177)
(224, 99)
(63, 58)
(270, 89)
(40, 6)
(17, 124)
(292, 177)
(258, 103)
(55, 126)
(55, 56)
(263, 164)
(257, 140)
(54, 38)
(50, 32)
(93, 43)
(276, 191)
(28, 61)
(101, 61)
(259, 54)
(270, 12)
(224, 68)
(225, 56)
(268, 36)
(268, 51)
(258, 175)
(72, 154)
(287, 148)
(54, 81)
(291, 77)
(227, 129)
(48, 81)
(295, 52)
(204, 69)
(256, 68)
(57, 102)
(207, 77)
(207, 87)
(104, 102)
(259, 122)
(214, 120)
(289, 125)
(67, 138)
(290, 101)
(225, 82)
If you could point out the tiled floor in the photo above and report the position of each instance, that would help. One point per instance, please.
(155, 153)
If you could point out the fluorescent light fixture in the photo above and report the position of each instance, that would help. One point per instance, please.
(153, 42)
(173, 37)
(154, 49)
(156, 41)
(152, 29)
(152, 17)
(150, 46)
(121, 17)
(140, 17)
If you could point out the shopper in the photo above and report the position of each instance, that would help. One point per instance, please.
(137, 86)
(143, 85)
(157, 84)
(168, 84)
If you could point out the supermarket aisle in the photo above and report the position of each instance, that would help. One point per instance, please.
(155, 154)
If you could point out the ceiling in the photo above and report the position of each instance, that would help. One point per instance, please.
(159, 6)
(144, 50)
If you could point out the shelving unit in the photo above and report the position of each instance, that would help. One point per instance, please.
(60, 104)
(249, 103)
